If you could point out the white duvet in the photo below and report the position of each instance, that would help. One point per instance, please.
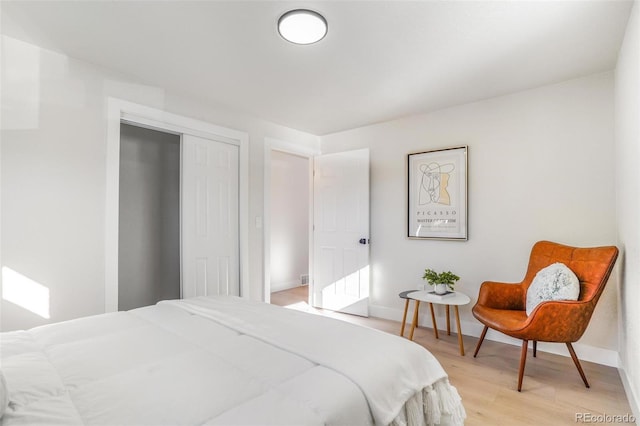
(220, 361)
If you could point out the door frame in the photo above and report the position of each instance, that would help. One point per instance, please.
(271, 144)
(119, 110)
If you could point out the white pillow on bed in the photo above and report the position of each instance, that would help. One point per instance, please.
(555, 282)
(4, 395)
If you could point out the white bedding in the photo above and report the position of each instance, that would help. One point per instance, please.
(220, 361)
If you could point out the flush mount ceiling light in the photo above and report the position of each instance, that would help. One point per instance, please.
(302, 26)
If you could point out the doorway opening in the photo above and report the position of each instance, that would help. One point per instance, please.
(289, 228)
(287, 157)
(338, 228)
(149, 217)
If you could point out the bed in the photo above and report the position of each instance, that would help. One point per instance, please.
(220, 361)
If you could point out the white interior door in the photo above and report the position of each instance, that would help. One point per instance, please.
(341, 232)
(210, 233)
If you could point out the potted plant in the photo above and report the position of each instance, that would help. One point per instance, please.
(442, 282)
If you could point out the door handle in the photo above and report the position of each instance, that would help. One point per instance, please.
(364, 241)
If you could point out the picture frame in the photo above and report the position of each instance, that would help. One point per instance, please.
(437, 194)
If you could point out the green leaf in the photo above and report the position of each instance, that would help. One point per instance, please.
(447, 277)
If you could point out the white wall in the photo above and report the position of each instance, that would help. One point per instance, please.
(541, 166)
(627, 116)
(289, 220)
(54, 172)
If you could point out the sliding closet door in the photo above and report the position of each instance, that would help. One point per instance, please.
(210, 207)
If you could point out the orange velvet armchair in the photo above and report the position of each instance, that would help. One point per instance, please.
(501, 306)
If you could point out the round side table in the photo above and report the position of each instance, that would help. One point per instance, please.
(456, 299)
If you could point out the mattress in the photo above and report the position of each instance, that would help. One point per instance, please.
(220, 361)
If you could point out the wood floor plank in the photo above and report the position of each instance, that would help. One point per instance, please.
(552, 392)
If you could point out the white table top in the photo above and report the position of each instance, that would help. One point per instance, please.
(425, 296)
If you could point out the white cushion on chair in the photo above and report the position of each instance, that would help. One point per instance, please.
(555, 282)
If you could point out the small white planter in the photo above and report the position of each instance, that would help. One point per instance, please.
(441, 288)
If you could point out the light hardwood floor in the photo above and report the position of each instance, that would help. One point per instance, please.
(552, 392)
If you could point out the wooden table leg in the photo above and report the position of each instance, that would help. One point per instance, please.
(459, 331)
(448, 321)
(433, 320)
(404, 317)
(415, 319)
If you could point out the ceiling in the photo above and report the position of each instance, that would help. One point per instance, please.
(380, 60)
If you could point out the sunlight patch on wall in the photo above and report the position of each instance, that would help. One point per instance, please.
(25, 292)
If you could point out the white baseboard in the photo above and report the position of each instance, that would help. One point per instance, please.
(585, 352)
(634, 402)
(284, 285)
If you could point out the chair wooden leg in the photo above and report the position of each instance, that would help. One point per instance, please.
(404, 317)
(484, 332)
(535, 348)
(577, 363)
(523, 360)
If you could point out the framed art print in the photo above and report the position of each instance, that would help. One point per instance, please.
(437, 194)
